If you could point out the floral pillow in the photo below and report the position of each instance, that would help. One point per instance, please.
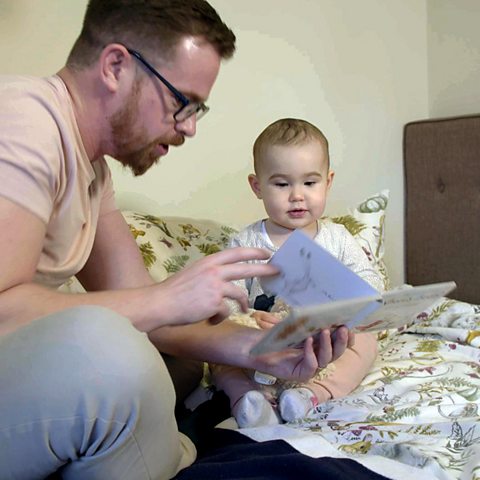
(169, 243)
(366, 223)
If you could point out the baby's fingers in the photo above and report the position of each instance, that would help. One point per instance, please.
(265, 320)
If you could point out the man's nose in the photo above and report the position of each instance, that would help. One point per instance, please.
(187, 127)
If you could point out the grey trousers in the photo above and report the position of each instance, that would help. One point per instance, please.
(83, 391)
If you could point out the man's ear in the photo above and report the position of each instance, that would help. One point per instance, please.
(255, 185)
(114, 63)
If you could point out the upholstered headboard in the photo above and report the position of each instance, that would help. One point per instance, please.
(442, 194)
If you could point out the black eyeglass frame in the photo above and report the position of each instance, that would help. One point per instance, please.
(196, 108)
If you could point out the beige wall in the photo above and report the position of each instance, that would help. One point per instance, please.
(356, 69)
(454, 57)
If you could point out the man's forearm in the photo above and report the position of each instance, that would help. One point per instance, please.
(24, 303)
(225, 343)
(230, 343)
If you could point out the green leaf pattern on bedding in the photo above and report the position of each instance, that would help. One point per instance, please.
(148, 254)
(350, 223)
(168, 243)
(420, 404)
(176, 263)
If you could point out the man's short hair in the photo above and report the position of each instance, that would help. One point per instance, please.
(287, 131)
(149, 26)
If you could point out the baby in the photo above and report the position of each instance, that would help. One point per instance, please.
(293, 177)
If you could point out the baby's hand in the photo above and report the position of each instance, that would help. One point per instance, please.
(265, 320)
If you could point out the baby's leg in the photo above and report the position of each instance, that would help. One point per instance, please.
(233, 381)
(249, 406)
(336, 380)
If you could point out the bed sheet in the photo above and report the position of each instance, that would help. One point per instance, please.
(418, 407)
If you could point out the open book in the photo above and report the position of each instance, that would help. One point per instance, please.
(323, 293)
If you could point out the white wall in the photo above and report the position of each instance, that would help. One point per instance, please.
(454, 57)
(358, 70)
(36, 36)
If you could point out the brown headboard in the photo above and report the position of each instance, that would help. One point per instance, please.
(442, 195)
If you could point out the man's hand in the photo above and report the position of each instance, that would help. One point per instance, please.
(301, 364)
(198, 292)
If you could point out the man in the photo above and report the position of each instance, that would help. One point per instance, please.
(83, 389)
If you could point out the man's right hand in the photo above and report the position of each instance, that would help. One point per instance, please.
(198, 292)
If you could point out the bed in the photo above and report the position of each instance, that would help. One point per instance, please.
(417, 411)
(442, 193)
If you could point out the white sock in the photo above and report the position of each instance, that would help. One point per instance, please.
(295, 403)
(254, 410)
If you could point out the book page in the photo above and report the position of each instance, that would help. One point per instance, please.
(324, 293)
(401, 306)
(366, 314)
(310, 275)
(307, 321)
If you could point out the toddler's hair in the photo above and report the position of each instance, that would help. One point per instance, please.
(287, 131)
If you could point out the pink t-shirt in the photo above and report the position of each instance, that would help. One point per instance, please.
(44, 168)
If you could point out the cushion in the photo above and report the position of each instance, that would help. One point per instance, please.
(169, 243)
(366, 222)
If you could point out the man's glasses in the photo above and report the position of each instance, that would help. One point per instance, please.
(188, 107)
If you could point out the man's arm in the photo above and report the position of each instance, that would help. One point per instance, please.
(117, 274)
(226, 342)
(21, 300)
(115, 261)
(230, 343)
(195, 293)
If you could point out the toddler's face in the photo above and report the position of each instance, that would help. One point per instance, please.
(293, 182)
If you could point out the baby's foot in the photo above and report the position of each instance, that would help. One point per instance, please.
(295, 403)
(254, 410)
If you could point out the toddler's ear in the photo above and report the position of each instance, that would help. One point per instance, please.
(255, 185)
(330, 176)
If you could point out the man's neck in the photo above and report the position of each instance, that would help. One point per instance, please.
(86, 109)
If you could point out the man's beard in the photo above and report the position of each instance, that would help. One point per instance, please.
(138, 159)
